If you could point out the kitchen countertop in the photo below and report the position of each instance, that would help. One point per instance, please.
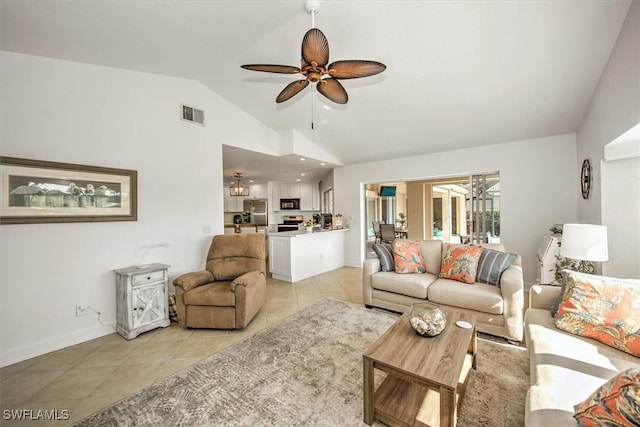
(299, 233)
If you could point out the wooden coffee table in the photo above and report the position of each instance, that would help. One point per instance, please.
(426, 376)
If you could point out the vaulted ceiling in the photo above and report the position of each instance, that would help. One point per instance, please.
(460, 73)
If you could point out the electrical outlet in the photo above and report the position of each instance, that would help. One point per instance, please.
(82, 310)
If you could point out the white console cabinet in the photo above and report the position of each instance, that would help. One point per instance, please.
(142, 299)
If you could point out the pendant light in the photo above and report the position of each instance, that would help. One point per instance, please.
(238, 189)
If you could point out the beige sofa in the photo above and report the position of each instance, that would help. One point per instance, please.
(565, 368)
(498, 309)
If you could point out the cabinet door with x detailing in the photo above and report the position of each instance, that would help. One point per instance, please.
(148, 304)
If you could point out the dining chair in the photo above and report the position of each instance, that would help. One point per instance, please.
(401, 233)
(387, 233)
(376, 230)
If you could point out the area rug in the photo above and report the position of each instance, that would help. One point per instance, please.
(307, 371)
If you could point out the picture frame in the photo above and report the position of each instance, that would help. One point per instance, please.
(37, 191)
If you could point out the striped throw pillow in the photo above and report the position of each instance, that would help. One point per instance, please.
(492, 264)
(383, 250)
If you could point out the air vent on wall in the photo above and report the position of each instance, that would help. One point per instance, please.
(192, 115)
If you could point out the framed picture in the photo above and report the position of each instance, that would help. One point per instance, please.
(35, 191)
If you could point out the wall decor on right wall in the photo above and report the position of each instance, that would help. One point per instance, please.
(586, 178)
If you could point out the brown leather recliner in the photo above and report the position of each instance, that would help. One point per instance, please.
(232, 289)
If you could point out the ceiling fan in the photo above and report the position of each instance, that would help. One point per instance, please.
(314, 68)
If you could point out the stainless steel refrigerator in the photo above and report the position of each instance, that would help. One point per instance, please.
(258, 210)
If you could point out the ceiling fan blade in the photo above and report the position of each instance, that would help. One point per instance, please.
(332, 89)
(280, 69)
(315, 47)
(291, 90)
(352, 69)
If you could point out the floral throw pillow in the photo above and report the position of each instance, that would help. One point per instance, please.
(602, 308)
(460, 262)
(407, 257)
(616, 402)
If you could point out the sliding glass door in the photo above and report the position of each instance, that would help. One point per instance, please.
(372, 215)
(465, 209)
(484, 208)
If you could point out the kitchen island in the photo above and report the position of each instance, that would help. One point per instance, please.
(297, 255)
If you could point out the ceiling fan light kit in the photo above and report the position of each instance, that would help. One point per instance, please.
(314, 68)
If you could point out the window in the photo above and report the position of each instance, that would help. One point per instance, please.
(327, 201)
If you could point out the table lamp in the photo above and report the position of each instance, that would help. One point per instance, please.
(586, 243)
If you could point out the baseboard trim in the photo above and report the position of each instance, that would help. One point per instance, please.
(58, 342)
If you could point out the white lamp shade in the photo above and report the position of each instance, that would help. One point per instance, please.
(585, 242)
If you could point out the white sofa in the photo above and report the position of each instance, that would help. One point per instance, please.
(565, 368)
(498, 309)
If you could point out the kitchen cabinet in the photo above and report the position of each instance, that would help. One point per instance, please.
(142, 302)
(289, 191)
(309, 197)
(232, 203)
(316, 197)
(235, 203)
(275, 196)
(258, 191)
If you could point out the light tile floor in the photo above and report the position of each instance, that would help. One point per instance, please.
(87, 377)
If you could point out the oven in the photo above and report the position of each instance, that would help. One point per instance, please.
(290, 223)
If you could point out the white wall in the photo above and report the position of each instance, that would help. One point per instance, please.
(614, 109)
(77, 113)
(537, 182)
(621, 215)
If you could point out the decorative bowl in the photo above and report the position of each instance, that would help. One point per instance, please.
(427, 319)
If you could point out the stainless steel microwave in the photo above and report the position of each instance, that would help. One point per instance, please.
(289, 204)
